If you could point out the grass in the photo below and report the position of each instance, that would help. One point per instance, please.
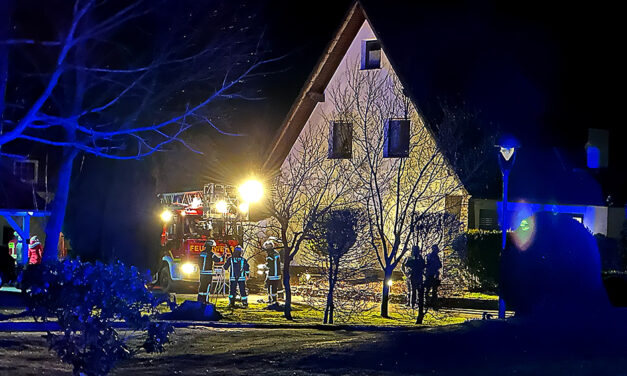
(306, 314)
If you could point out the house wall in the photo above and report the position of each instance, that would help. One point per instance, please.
(327, 109)
(615, 218)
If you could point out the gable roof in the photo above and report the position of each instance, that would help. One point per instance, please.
(313, 90)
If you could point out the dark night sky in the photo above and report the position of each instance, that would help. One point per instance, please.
(543, 72)
(530, 67)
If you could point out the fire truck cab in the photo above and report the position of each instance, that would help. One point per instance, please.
(189, 220)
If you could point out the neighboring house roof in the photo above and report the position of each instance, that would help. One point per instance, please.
(553, 176)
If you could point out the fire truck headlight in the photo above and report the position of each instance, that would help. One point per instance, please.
(222, 207)
(251, 191)
(187, 268)
(166, 216)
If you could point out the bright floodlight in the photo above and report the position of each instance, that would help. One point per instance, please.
(507, 152)
(222, 207)
(243, 207)
(251, 191)
(166, 216)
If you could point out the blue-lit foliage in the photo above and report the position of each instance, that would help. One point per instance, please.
(557, 273)
(86, 299)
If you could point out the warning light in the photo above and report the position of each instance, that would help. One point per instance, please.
(251, 191)
(222, 207)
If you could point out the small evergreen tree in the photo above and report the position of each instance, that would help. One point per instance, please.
(86, 299)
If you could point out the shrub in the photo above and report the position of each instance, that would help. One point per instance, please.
(480, 250)
(86, 299)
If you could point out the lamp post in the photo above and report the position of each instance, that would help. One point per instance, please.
(507, 155)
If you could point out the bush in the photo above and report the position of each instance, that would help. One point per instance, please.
(480, 250)
(86, 299)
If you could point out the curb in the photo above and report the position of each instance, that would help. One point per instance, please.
(30, 326)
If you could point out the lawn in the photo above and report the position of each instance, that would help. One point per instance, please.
(305, 314)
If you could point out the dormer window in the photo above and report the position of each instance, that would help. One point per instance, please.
(370, 54)
(396, 138)
(340, 140)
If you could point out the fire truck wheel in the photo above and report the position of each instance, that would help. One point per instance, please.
(165, 282)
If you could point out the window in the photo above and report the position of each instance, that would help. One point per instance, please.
(396, 138)
(26, 171)
(340, 139)
(488, 219)
(370, 54)
(453, 205)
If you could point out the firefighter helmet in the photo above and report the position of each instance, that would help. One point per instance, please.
(268, 244)
(211, 243)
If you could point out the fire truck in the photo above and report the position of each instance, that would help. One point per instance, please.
(189, 220)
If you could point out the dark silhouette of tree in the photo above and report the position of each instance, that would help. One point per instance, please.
(127, 80)
(336, 235)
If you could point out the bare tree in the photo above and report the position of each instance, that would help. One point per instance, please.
(394, 188)
(107, 94)
(334, 244)
(308, 186)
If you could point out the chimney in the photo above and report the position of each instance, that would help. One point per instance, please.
(597, 148)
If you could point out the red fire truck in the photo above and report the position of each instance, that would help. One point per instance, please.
(189, 220)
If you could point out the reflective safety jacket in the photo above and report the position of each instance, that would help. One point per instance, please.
(273, 262)
(205, 262)
(239, 268)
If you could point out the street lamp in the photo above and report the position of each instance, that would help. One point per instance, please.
(507, 147)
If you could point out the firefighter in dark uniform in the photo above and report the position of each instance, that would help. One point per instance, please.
(205, 266)
(414, 268)
(273, 271)
(239, 272)
(432, 276)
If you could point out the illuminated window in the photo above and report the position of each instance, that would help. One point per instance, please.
(340, 140)
(396, 138)
(578, 218)
(370, 54)
(26, 171)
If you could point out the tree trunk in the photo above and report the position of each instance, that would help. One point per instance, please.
(59, 204)
(385, 296)
(328, 310)
(286, 286)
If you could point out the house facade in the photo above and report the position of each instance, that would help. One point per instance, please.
(356, 118)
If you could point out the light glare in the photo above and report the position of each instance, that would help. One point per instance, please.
(251, 191)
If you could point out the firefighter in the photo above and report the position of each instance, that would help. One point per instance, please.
(205, 265)
(273, 270)
(414, 269)
(432, 275)
(239, 272)
(35, 251)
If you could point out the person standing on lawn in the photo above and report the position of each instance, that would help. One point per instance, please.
(239, 272)
(432, 275)
(205, 266)
(273, 271)
(414, 269)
